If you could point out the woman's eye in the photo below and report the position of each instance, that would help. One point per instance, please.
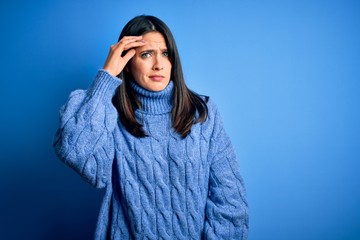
(166, 53)
(145, 55)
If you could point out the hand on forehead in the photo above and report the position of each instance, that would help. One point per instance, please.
(154, 40)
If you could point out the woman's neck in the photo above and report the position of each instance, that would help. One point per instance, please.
(154, 102)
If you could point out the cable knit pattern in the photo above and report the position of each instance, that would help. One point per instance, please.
(160, 186)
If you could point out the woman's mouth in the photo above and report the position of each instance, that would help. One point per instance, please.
(156, 77)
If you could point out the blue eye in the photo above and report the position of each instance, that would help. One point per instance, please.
(166, 53)
(145, 55)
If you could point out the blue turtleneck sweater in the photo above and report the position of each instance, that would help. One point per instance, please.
(157, 187)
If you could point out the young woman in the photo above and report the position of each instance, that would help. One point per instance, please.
(159, 149)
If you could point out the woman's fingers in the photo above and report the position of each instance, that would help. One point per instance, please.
(129, 55)
(115, 62)
(126, 43)
(133, 45)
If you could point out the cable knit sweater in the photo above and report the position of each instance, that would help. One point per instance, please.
(157, 187)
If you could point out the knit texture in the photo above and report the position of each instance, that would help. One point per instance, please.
(157, 187)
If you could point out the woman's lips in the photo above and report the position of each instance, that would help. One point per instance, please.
(156, 77)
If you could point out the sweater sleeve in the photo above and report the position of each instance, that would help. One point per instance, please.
(84, 138)
(226, 207)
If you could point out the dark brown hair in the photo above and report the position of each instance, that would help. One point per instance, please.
(188, 107)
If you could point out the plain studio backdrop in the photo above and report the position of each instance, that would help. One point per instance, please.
(285, 75)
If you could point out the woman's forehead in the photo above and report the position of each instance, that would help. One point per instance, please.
(154, 39)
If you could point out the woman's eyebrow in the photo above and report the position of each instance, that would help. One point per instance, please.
(150, 50)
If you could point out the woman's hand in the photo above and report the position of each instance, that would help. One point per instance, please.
(115, 63)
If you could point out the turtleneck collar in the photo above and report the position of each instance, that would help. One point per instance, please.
(154, 102)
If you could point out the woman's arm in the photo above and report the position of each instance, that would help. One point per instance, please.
(226, 208)
(84, 139)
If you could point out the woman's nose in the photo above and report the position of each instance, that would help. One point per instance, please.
(158, 64)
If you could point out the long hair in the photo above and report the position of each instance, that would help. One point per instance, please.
(188, 107)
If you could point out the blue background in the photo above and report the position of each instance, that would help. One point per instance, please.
(285, 75)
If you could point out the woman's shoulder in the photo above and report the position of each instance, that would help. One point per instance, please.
(212, 109)
(213, 120)
(210, 104)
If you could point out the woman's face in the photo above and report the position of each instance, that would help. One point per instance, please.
(151, 66)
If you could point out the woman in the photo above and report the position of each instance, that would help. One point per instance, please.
(159, 149)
